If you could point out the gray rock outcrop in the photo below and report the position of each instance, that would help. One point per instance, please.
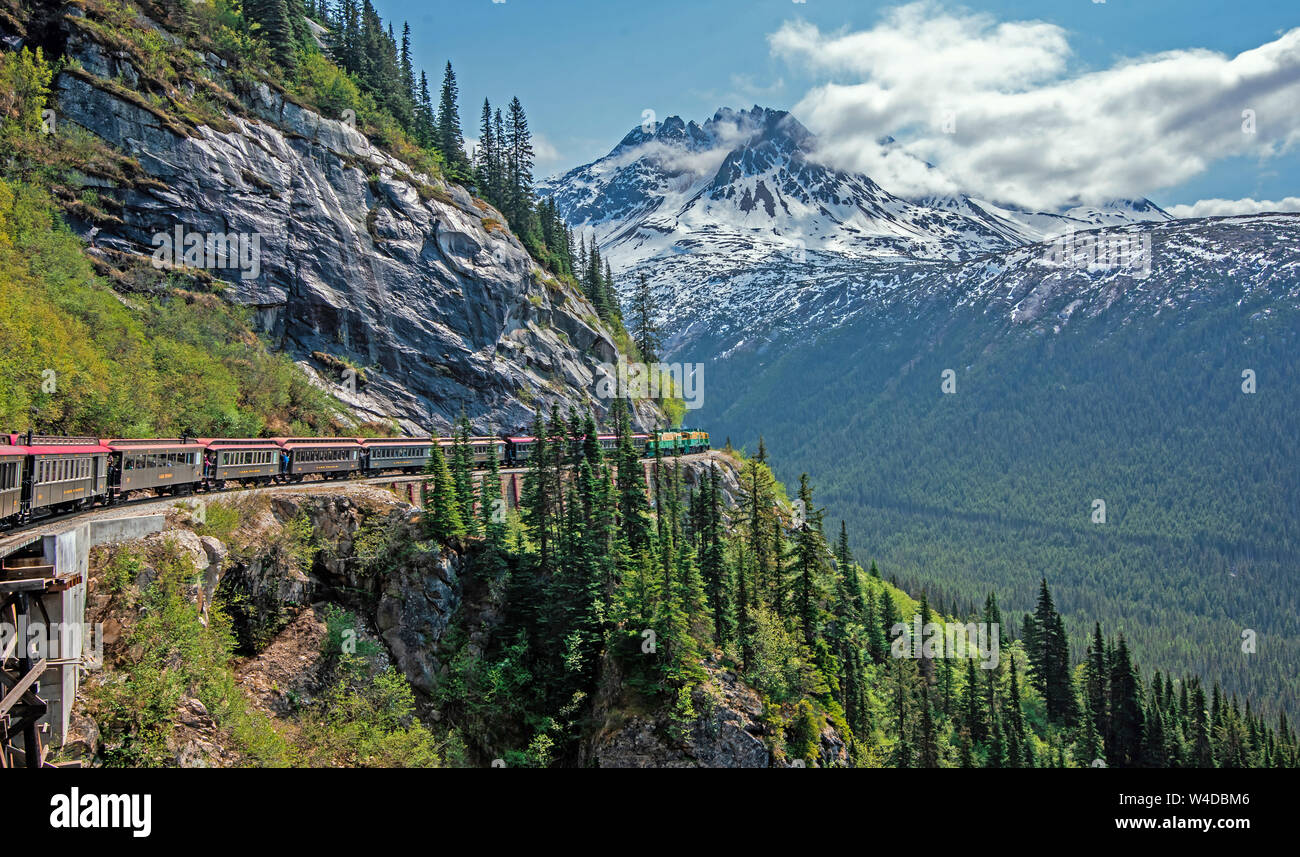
(353, 258)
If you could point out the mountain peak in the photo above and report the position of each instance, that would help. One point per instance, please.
(747, 180)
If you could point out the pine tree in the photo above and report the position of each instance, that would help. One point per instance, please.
(492, 506)
(633, 508)
(518, 148)
(425, 121)
(1049, 656)
(442, 516)
(275, 25)
(973, 711)
(451, 140)
(927, 743)
(645, 332)
(408, 69)
(486, 157)
(463, 475)
(1124, 739)
(1096, 677)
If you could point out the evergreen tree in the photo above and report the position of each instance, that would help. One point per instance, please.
(645, 332)
(442, 516)
(274, 23)
(463, 474)
(518, 148)
(1049, 656)
(1124, 739)
(450, 138)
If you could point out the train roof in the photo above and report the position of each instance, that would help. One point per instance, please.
(394, 441)
(56, 449)
(224, 442)
(160, 443)
(584, 437)
(307, 442)
(13, 444)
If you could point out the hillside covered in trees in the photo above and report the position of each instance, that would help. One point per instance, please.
(1145, 407)
(761, 588)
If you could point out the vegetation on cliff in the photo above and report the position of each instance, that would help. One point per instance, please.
(126, 350)
(595, 581)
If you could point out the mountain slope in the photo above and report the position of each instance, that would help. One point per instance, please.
(350, 258)
(737, 223)
(1071, 386)
(1098, 353)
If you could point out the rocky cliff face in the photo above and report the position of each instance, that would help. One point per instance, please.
(276, 595)
(729, 729)
(358, 260)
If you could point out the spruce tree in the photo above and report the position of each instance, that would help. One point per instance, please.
(645, 331)
(442, 516)
(451, 140)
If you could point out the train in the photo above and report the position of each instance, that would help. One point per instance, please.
(44, 475)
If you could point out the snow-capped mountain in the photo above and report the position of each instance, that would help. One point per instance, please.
(1023, 226)
(736, 220)
(748, 183)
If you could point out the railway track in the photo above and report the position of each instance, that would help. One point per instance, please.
(15, 537)
(22, 535)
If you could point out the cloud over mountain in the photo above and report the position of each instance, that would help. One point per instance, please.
(998, 110)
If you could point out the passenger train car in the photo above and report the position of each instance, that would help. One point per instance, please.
(43, 475)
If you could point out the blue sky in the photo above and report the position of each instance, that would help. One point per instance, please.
(587, 69)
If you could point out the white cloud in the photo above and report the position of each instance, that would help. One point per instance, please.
(545, 154)
(1027, 131)
(1228, 207)
(687, 164)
